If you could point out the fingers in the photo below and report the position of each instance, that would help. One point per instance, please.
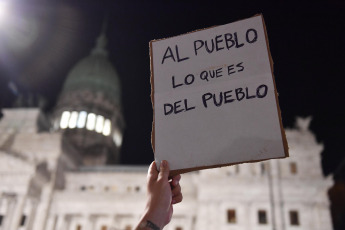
(175, 180)
(152, 173)
(164, 171)
(177, 199)
(176, 191)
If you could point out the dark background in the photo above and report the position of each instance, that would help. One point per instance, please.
(306, 42)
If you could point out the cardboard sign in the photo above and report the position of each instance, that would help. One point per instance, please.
(214, 98)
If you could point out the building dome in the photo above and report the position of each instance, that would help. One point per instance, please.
(89, 111)
(95, 72)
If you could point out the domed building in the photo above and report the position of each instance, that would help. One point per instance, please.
(88, 111)
(61, 181)
(41, 191)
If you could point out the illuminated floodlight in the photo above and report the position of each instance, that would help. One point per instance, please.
(99, 124)
(3, 9)
(64, 119)
(82, 119)
(91, 121)
(18, 30)
(73, 120)
(4, 14)
(107, 127)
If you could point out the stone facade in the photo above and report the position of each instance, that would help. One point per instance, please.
(42, 189)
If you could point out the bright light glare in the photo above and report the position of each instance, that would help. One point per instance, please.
(19, 30)
(107, 127)
(91, 121)
(81, 119)
(99, 123)
(73, 120)
(64, 119)
(3, 10)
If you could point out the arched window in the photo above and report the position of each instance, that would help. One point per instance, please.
(64, 119)
(91, 121)
(99, 124)
(81, 119)
(107, 127)
(117, 137)
(73, 120)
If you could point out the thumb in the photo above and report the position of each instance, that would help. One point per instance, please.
(164, 170)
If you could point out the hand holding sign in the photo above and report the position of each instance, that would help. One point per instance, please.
(214, 98)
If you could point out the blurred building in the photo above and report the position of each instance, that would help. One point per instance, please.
(337, 197)
(69, 177)
(90, 105)
(43, 189)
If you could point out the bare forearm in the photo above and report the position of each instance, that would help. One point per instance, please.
(162, 194)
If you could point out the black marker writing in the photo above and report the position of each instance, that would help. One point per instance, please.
(169, 54)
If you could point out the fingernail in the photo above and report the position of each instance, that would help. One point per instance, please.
(164, 163)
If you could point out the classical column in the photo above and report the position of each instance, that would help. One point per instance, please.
(11, 202)
(32, 214)
(43, 208)
(114, 223)
(214, 214)
(247, 210)
(277, 213)
(17, 212)
(90, 222)
(68, 219)
(4, 203)
(203, 216)
(50, 222)
(60, 222)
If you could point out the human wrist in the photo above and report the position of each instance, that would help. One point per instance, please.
(152, 221)
(148, 225)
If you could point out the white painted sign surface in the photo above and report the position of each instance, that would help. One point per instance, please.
(214, 97)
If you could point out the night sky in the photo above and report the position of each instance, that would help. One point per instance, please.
(306, 42)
